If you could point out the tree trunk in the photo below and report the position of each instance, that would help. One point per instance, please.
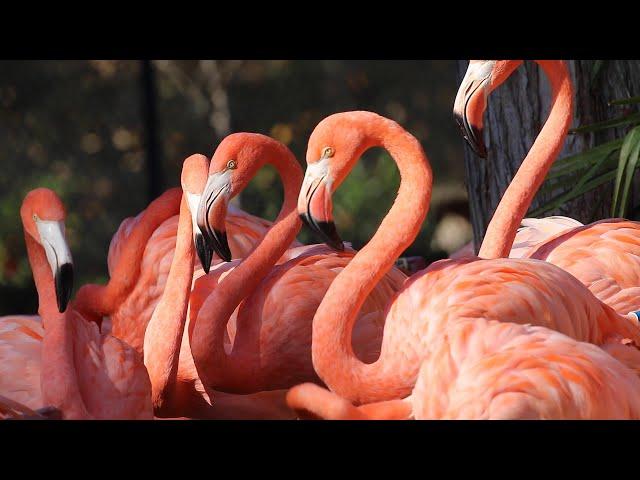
(515, 114)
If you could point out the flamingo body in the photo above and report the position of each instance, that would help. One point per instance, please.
(604, 256)
(520, 291)
(281, 309)
(129, 321)
(485, 369)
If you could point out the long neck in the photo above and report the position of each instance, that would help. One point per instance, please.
(95, 301)
(517, 199)
(240, 371)
(58, 376)
(163, 336)
(333, 356)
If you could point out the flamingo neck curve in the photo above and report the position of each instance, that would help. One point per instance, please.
(163, 336)
(241, 370)
(95, 301)
(333, 356)
(58, 377)
(517, 199)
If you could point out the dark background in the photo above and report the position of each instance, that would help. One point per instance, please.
(108, 136)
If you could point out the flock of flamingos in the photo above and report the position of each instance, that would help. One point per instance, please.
(214, 313)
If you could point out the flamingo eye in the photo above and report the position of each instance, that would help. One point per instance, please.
(232, 164)
(327, 152)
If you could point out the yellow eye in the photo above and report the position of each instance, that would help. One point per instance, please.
(327, 152)
(232, 164)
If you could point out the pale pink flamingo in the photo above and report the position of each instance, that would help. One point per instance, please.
(507, 290)
(480, 369)
(270, 331)
(605, 255)
(64, 361)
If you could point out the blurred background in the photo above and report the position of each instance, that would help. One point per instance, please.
(109, 136)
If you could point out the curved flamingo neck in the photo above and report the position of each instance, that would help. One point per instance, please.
(163, 335)
(241, 370)
(333, 356)
(517, 199)
(102, 300)
(58, 378)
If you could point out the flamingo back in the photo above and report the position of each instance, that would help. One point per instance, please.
(492, 370)
(20, 346)
(519, 291)
(286, 301)
(112, 378)
(604, 256)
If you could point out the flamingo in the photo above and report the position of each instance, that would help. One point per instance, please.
(59, 359)
(139, 258)
(268, 308)
(522, 291)
(176, 388)
(604, 255)
(480, 369)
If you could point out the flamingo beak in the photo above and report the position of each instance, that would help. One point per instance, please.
(203, 250)
(212, 213)
(471, 102)
(55, 246)
(315, 206)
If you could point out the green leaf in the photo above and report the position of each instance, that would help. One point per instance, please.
(567, 182)
(631, 168)
(574, 193)
(626, 167)
(625, 101)
(614, 122)
(573, 163)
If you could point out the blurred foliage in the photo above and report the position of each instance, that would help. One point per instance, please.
(614, 161)
(76, 127)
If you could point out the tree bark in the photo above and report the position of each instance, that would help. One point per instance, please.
(515, 114)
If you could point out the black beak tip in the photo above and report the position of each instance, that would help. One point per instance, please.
(303, 217)
(63, 285)
(472, 134)
(221, 245)
(205, 252)
(328, 232)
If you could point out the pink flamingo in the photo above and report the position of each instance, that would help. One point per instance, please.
(64, 361)
(269, 308)
(139, 258)
(176, 387)
(507, 290)
(480, 369)
(605, 255)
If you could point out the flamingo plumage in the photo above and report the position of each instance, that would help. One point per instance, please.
(520, 291)
(604, 255)
(139, 258)
(176, 387)
(487, 370)
(63, 361)
(263, 309)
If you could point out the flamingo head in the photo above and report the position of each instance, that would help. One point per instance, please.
(194, 178)
(234, 163)
(334, 147)
(43, 217)
(481, 78)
